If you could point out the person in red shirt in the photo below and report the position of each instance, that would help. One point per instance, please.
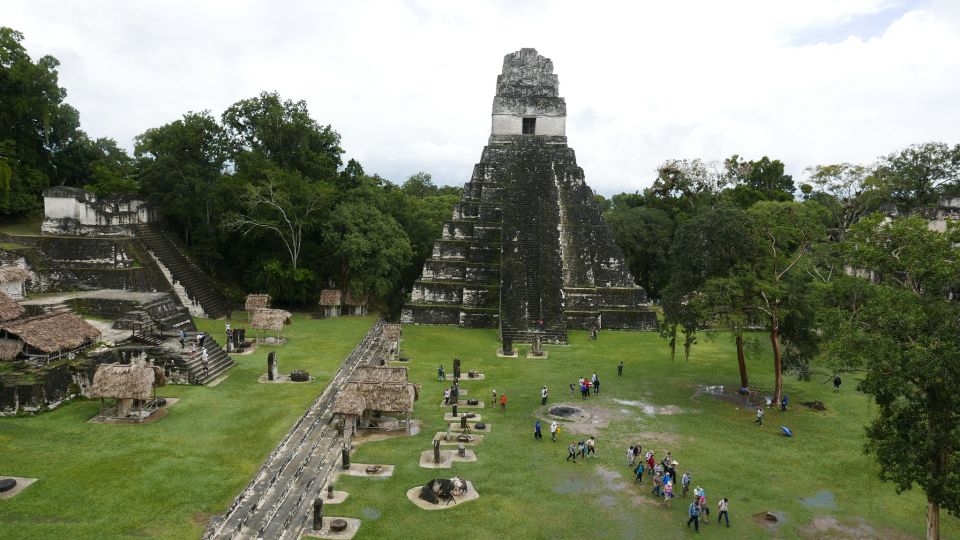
(503, 402)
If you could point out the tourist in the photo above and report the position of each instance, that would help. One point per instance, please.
(582, 447)
(572, 451)
(759, 420)
(666, 460)
(657, 482)
(494, 397)
(543, 395)
(503, 403)
(667, 493)
(783, 403)
(836, 383)
(685, 482)
(540, 325)
(630, 456)
(639, 472)
(183, 338)
(591, 446)
(620, 370)
(440, 376)
(536, 431)
(694, 512)
(672, 469)
(446, 396)
(584, 390)
(724, 515)
(701, 498)
(650, 460)
(228, 326)
(554, 428)
(596, 385)
(571, 389)
(636, 452)
(204, 357)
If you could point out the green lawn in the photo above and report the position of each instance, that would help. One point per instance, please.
(529, 491)
(163, 480)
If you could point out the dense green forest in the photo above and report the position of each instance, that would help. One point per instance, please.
(262, 197)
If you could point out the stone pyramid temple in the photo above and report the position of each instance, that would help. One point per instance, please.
(527, 243)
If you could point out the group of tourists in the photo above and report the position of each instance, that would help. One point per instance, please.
(582, 448)
(586, 384)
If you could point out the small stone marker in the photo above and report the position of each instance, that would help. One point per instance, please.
(272, 368)
(508, 346)
(454, 410)
(345, 453)
(463, 422)
(456, 368)
(461, 450)
(436, 451)
(329, 491)
(317, 514)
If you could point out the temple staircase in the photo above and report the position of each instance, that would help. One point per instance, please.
(199, 287)
(218, 361)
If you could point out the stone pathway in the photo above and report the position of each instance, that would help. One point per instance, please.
(278, 502)
(101, 294)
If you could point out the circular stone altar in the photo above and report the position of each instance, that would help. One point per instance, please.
(565, 411)
(7, 484)
(338, 525)
(374, 469)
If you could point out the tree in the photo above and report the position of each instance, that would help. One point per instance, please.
(847, 191)
(781, 234)
(370, 248)
(286, 204)
(35, 126)
(921, 174)
(644, 235)
(268, 130)
(902, 328)
(181, 166)
(754, 181)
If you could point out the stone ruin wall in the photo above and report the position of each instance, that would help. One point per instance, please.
(72, 211)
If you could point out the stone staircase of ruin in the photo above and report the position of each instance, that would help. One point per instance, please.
(199, 286)
(278, 502)
(218, 361)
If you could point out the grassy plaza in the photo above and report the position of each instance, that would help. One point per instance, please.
(165, 479)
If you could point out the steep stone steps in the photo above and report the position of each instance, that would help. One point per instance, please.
(199, 287)
(218, 361)
(278, 501)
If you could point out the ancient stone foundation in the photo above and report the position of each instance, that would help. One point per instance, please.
(527, 248)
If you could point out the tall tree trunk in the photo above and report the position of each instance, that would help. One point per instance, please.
(741, 361)
(933, 521)
(686, 351)
(777, 362)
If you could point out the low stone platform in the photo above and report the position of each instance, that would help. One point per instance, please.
(465, 377)
(154, 415)
(414, 495)
(353, 525)
(281, 379)
(447, 459)
(477, 439)
(471, 426)
(358, 469)
(22, 484)
(543, 355)
(338, 497)
(500, 354)
(462, 404)
(449, 417)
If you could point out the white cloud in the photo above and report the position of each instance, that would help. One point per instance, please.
(410, 85)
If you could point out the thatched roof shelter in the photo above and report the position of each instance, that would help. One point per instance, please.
(270, 319)
(9, 308)
(257, 301)
(379, 397)
(380, 375)
(10, 348)
(125, 381)
(392, 332)
(349, 403)
(52, 332)
(330, 297)
(12, 273)
(351, 300)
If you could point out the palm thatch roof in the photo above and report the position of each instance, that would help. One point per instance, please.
(330, 297)
(52, 332)
(9, 308)
(376, 397)
(352, 300)
(12, 273)
(10, 348)
(256, 301)
(392, 332)
(349, 403)
(125, 381)
(269, 319)
(380, 375)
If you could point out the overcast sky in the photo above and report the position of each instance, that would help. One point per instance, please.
(409, 85)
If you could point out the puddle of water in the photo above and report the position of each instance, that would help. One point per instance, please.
(571, 485)
(414, 428)
(823, 499)
(649, 409)
(371, 513)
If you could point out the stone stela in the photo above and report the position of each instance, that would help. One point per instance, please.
(526, 249)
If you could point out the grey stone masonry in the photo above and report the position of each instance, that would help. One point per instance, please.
(527, 243)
